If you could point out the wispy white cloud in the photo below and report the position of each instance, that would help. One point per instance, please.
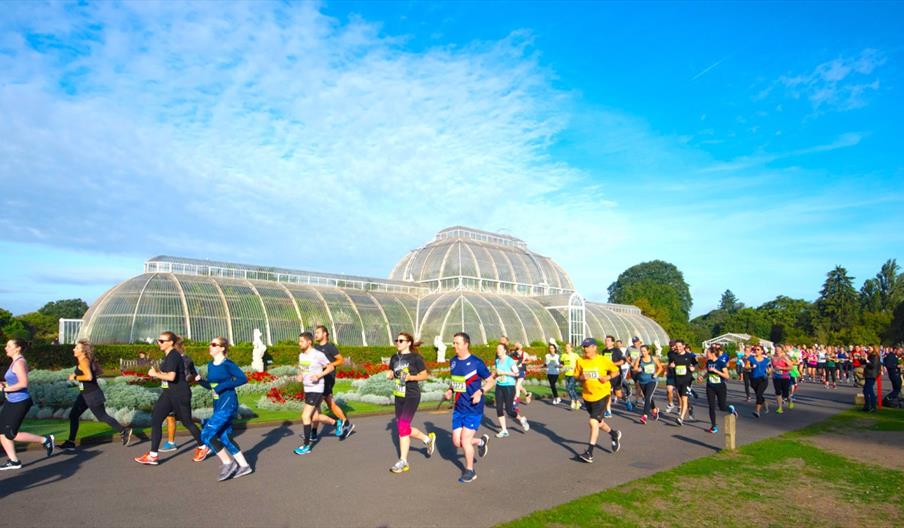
(846, 140)
(839, 84)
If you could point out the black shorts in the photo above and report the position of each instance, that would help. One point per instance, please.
(670, 380)
(782, 387)
(683, 386)
(597, 408)
(617, 382)
(328, 382)
(314, 399)
(11, 417)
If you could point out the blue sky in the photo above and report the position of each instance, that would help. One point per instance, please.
(756, 146)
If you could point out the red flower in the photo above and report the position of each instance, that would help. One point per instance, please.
(260, 377)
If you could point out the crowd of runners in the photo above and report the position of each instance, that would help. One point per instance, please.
(601, 376)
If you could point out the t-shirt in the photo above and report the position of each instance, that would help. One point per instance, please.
(794, 357)
(633, 352)
(780, 368)
(592, 389)
(466, 376)
(758, 367)
(402, 366)
(670, 371)
(613, 354)
(569, 360)
(683, 366)
(173, 363)
(506, 364)
(711, 377)
(552, 364)
(330, 351)
(311, 363)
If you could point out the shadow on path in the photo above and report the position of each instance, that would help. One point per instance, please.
(696, 442)
(46, 471)
(270, 439)
(444, 445)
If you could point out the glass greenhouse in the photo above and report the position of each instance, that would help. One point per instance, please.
(486, 284)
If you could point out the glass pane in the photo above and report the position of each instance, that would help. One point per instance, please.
(245, 310)
(345, 319)
(375, 330)
(159, 310)
(313, 311)
(206, 311)
(284, 323)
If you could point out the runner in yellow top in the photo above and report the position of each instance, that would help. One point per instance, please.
(569, 360)
(594, 373)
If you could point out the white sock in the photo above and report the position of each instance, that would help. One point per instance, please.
(152, 453)
(481, 442)
(240, 458)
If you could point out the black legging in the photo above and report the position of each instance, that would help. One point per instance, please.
(759, 388)
(172, 403)
(79, 408)
(648, 404)
(505, 397)
(746, 376)
(553, 379)
(830, 372)
(716, 392)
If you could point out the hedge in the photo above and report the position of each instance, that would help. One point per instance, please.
(45, 356)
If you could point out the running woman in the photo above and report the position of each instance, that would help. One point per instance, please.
(793, 355)
(344, 427)
(758, 368)
(684, 364)
(467, 373)
(18, 402)
(90, 396)
(553, 365)
(569, 361)
(175, 397)
(506, 371)
(781, 378)
(716, 390)
(407, 368)
(632, 354)
(844, 365)
(521, 358)
(831, 367)
(595, 373)
(647, 368)
(223, 377)
(313, 367)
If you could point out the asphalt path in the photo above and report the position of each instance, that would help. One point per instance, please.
(348, 483)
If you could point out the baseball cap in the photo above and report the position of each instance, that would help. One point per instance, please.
(635, 339)
(588, 342)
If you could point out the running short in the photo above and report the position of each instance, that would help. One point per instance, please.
(670, 381)
(314, 399)
(793, 381)
(328, 382)
(782, 387)
(617, 381)
(522, 372)
(12, 414)
(471, 421)
(597, 408)
(683, 387)
(820, 365)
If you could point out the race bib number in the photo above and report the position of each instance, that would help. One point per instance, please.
(650, 369)
(81, 386)
(215, 395)
(399, 388)
(307, 366)
(164, 384)
(591, 374)
(715, 378)
(459, 384)
(681, 370)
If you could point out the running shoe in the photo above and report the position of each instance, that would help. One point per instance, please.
(502, 434)
(780, 411)
(713, 429)
(347, 430)
(125, 437)
(482, 450)
(669, 408)
(340, 428)
(655, 415)
(399, 467)
(10, 464)
(227, 470)
(691, 417)
(524, 424)
(679, 421)
(749, 398)
(168, 446)
(302, 450)
(201, 453)
(431, 444)
(607, 414)
(643, 419)
(246, 470)
(468, 476)
(791, 404)
(756, 414)
(616, 440)
(49, 444)
(629, 406)
(147, 459)
(733, 410)
(68, 445)
(586, 457)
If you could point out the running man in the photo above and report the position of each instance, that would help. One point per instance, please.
(506, 371)
(595, 373)
(633, 354)
(467, 373)
(407, 368)
(344, 428)
(684, 364)
(615, 355)
(716, 390)
(569, 361)
(313, 368)
(670, 377)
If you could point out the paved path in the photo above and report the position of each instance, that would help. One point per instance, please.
(348, 483)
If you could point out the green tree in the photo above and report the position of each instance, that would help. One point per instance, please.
(730, 302)
(871, 296)
(15, 329)
(895, 332)
(42, 327)
(837, 304)
(790, 319)
(747, 321)
(890, 284)
(660, 282)
(65, 309)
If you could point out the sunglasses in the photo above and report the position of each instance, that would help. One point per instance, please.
(216, 345)
(163, 340)
(401, 340)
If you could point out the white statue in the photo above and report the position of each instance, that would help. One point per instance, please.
(658, 346)
(257, 355)
(440, 349)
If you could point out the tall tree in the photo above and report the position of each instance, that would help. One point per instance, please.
(656, 272)
(890, 284)
(837, 303)
(730, 302)
(65, 309)
(871, 296)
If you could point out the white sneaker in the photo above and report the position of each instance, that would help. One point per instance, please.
(524, 423)
(502, 434)
(669, 408)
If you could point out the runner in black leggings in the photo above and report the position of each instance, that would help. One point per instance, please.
(90, 396)
(716, 390)
(646, 368)
(176, 397)
(757, 367)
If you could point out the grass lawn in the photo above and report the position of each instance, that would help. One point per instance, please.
(790, 480)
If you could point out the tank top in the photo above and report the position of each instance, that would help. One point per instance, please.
(11, 379)
(647, 371)
(87, 386)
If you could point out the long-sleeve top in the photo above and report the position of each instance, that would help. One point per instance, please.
(224, 377)
(872, 368)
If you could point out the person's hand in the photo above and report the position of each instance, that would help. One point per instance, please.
(299, 377)
(475, 399)
(447, 395)
(671, 365)
(72, 377)
(389, 375)
(152, 372)
(198, 377)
